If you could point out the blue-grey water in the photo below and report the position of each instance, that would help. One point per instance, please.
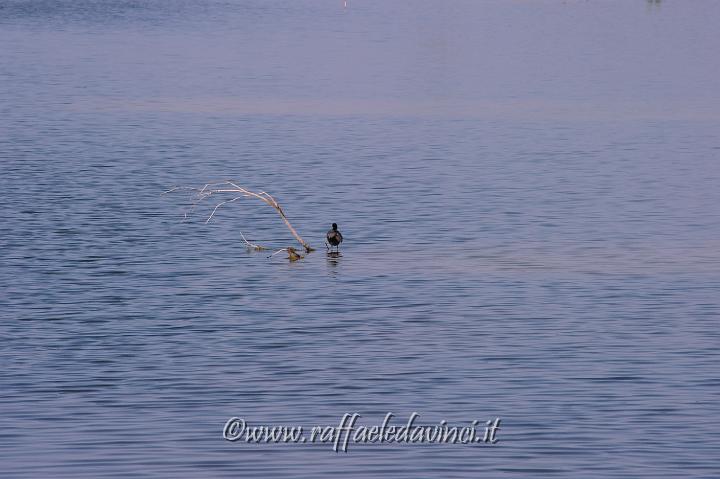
(529, 197)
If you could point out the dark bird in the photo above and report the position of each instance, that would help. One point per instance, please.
(334, 237)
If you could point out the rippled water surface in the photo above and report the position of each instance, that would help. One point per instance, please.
(528, 193)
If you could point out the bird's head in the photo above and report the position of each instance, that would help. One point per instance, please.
(334, 226)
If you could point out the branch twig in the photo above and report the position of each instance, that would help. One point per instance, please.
(292, 253)
(251, 245)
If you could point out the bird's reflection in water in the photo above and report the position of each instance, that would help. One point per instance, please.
(333, 259)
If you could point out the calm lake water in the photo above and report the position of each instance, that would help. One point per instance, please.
(529, 197)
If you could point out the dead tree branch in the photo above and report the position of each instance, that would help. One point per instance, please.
(227, 187)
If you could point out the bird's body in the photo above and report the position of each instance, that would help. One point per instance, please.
(334, 237)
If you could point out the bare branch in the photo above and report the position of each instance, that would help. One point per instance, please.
(251, 245)
(278, 251)
(292, 253)
(230, 186)
(218, 206)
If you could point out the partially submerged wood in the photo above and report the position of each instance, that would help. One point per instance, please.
(230, 188)
(252, 246)
(293, 255)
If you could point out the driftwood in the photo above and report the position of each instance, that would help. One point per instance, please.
(236, 192)
(293, 255)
